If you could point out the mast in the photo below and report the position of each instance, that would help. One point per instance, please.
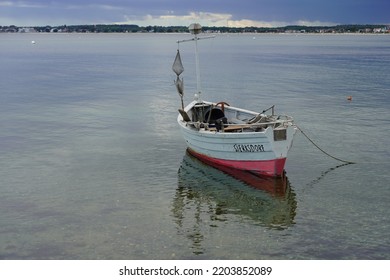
(195, 29)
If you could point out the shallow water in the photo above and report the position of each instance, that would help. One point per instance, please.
(93, 166)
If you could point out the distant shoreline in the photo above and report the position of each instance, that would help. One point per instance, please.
(254, 35)
(128, 28)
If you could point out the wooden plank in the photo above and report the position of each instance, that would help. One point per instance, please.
(236, 127)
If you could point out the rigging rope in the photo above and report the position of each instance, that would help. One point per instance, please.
(308, 138)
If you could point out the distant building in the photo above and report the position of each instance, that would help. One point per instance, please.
(26, 30)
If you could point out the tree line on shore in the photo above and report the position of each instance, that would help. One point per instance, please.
(132, 28)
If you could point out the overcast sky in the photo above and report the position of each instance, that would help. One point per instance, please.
(267, 13)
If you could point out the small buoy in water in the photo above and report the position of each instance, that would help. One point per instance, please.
(33, 42)
(349, 98)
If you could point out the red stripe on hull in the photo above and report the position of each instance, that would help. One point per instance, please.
(272, 168)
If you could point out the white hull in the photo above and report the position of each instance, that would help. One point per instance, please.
(254, 147)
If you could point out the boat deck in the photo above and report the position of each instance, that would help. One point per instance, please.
(224, 118)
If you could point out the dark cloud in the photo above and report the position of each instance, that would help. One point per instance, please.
(103, 11)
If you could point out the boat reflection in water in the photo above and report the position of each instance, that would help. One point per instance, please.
(209, 196)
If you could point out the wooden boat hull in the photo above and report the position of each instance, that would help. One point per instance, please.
(258, 152)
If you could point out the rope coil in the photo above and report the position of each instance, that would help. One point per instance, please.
(329, 155)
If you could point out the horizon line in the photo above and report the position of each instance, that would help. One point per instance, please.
(206, 26)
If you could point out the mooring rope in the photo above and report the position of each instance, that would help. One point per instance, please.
(336, 158)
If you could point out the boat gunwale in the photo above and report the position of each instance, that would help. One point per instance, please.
(285, 123)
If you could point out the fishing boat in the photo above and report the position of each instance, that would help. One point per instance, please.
(220, 134)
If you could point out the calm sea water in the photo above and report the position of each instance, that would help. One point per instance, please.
(92, 164)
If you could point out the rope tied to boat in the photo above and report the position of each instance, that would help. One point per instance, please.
(319, 148)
